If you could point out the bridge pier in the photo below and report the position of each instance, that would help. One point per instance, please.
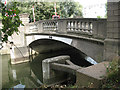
(19, 55)
(112, 41)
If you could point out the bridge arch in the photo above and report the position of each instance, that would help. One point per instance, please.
(46, 45)
(31, 38)
(91, 47)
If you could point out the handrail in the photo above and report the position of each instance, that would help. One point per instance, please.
(78, 26)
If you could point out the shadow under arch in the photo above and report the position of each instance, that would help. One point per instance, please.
(46, 46)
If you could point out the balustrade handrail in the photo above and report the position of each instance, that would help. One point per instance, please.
(81, 26)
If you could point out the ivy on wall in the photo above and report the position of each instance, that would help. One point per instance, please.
(10, 20)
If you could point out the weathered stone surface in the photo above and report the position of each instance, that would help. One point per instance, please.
(112, 48)
(66, 68)
(91, 76)
(51, 76)
(112, 41)
(19, 55)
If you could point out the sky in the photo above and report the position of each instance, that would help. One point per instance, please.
(93, 8)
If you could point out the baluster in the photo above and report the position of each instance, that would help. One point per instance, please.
(80, 26)
(48, 25)
(77, 25)
(71, 25)
(83, 26)
(52, 27)
(44, 26)
(87, 25)
(91, 27)
(56, 25)
(68, 25)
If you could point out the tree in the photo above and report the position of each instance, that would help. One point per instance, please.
(70, 9)
(10, 20)
(45, 10)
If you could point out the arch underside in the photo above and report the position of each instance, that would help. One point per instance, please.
(53, 46)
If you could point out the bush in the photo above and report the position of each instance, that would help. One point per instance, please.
(112, 79)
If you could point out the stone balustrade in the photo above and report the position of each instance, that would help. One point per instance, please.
(77, 26)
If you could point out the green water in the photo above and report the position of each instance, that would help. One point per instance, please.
(24, 73)
(30, 73)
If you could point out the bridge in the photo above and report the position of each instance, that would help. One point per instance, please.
(85, 34)
(95, 38)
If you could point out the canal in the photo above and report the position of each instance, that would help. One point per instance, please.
(30, 73)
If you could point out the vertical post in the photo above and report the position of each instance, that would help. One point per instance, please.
(55, 8)
(33, 14)
(112, 41)
(62, 26)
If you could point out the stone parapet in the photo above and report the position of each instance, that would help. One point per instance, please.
(112, 41)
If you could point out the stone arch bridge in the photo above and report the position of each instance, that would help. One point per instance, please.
(85, 34)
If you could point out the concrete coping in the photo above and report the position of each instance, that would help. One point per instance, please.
(96, 71)
(56, 59)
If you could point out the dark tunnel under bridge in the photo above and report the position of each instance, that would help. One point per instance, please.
(53, 46)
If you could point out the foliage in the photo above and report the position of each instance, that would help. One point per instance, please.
(0, 11)
(0, 16)
(10, 20)
(113, 78)
(45, 10)
(99, 17)
(68, 9)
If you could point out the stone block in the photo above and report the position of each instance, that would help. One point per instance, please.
(19, 55)
(110, 12)
(116, 35)
(113, 6)
(110, 24)
(116, 24)
(113, 29)
(113, 18)
(109, 35)
(111, 48)
(91, 76)
(117, 12)
(52, 76)
(113, 35)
